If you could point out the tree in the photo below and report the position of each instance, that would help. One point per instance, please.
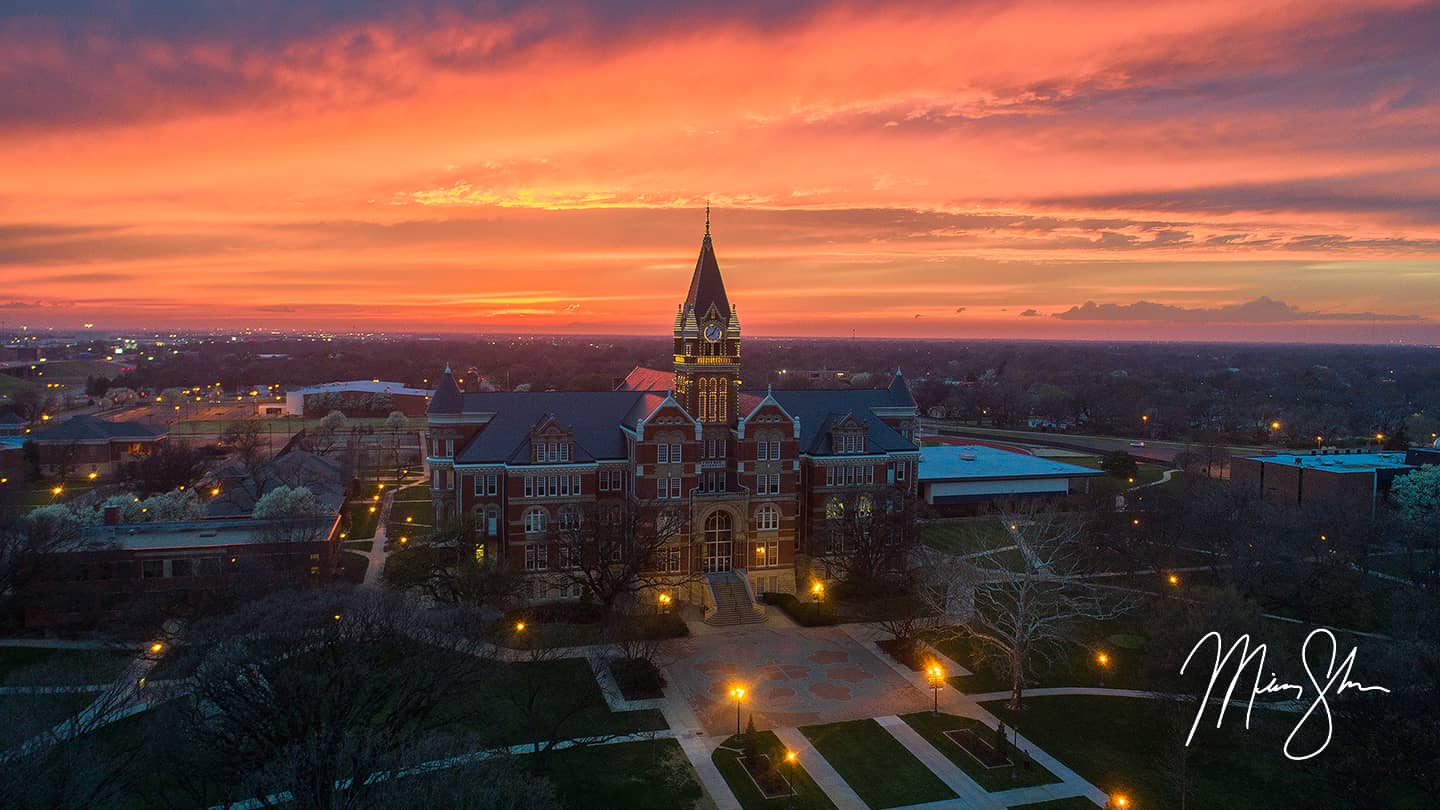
(1026, 611)
(309, 692)
(869, 537)
(1119, 464)
(289, 515)
(170, 466)
(397, 423)
(41, 531)
(613, 548)
(247, 442)
(447, 568)
(324, 436)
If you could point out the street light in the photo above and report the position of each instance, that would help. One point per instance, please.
(737, 692)
(1119, 801)
(664, 600)
(937, 680)
(818, 590)
(1104, 661)
(1174, 579)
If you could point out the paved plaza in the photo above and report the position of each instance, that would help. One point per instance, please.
(791, 678)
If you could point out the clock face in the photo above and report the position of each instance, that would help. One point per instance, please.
(712, 332)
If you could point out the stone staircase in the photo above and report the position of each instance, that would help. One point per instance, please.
(732, 602)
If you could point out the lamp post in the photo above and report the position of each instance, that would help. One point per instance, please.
(1103, 661)
(1119, 801)
(937, 679)
(737, 692)
(818, 590)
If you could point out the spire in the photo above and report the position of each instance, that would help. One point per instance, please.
(900, 390)
(447, 397)
(706, 286)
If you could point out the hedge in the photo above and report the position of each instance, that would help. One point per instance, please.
(805, 614)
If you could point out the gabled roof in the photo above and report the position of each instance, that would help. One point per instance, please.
(816, 408)
(594, 416)
(447, 398)
(641, 378)
(87, 428)
(706, 286)
(296, 468)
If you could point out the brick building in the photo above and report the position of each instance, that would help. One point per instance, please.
(758, 471)
(86, 444)
(1329, 477)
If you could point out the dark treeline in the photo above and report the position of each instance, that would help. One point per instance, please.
(1180, 391)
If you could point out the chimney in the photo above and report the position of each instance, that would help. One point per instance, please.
(112, 515)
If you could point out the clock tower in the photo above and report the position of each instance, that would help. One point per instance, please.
(707, 344)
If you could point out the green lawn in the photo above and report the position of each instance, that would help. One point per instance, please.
(1403, 564)
(362, 520)
(808, 796)
(352, 566)
(880, 770)
(645, 775)
(566, 688)
(363, 546)
(24, 716)
(421, 519)
(1120, 640)
(1074, 803)
(933, 727)
(35, 666)
(966, 536)
(1127, 745)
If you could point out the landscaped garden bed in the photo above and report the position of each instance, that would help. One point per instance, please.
(909, 652)
(638, 678)
(773, 781)
(805, 614)
(975, 749)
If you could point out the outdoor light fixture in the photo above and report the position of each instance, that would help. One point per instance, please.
(57, 490)
(789, 756)
(519, 627)
(737, 692)
(409, 519)
(214, 491)
(92, 476)
(1174, 580)
(937, 680)
(157, 647)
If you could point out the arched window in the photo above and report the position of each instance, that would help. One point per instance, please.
(767, 517)
(537, 521)
(834, 509)
(569, 518)
(717, 527)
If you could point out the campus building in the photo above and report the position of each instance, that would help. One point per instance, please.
(975, 475)
(85, 444)
(1327, 476)
(759, 472)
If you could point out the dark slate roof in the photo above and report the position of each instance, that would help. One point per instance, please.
(447, 398)
(815, 410)
(86, 428)
(706, 286)
(594, 416)
(11, 419)
(641, 378)
(297, 468)
(900, 390)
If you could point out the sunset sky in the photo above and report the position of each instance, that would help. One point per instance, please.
(1232, 169)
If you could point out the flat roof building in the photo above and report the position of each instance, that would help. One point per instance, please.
(1329, 476)
(357, 398)
(972, 474)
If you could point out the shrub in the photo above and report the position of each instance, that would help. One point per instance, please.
(805, 614)
(637, 678)
(651, 626)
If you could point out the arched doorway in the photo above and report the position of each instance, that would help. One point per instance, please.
(719, 529)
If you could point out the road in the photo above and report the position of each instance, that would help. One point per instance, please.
(1159, 452)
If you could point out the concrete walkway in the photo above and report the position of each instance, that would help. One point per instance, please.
(968, 790)
(377, 553)
(829, 780)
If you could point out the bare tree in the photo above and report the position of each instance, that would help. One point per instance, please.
(614, 548)
(246, 440)
(869, 538)
(42, 531)
(304, 695)
(447, 568)
(397, 424)
(1026, 607)
(60, 762)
